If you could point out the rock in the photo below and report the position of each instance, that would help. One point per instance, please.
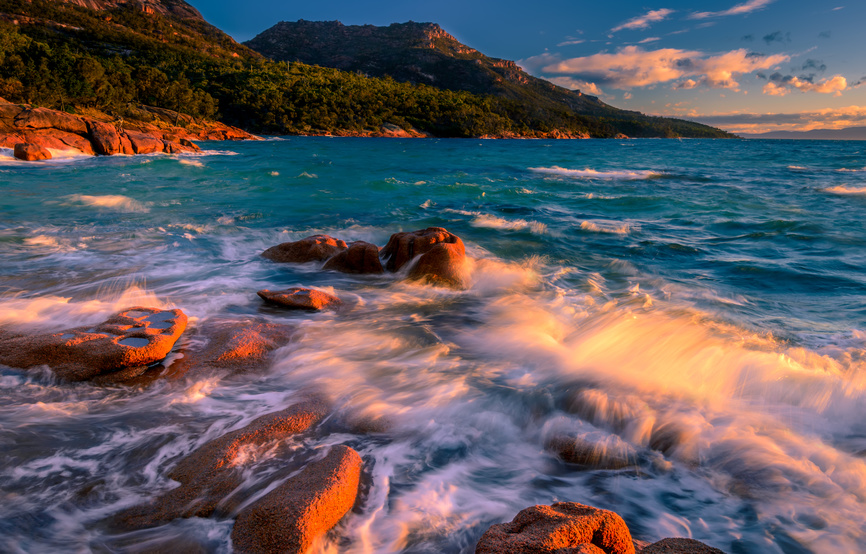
(209, 475)
(360, 257)
(59, 140)
(403, 247)
(143, 143)
(289, 518)
(621, 136)
(679, 546)
(240, 346)
(444, 265)
(104, 137)
(43, 118)
(190, 145)
(316, 248)
(610, 452)
(121, 347)
(31, 152)
(300, 298)
(562, 528)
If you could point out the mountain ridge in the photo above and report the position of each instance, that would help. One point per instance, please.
(848, 133)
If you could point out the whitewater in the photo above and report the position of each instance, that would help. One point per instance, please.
(695, 310)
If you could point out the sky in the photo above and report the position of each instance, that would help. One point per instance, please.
(744, 66)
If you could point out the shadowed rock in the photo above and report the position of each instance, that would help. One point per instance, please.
(443, 265)
(209, 475)
(121, 347)
(564, 527)
(679, 546)
(316, 248)
(300, 298)
(289, 518)
(609, 452)
(403, 247)
(360, 257)
(31, 152)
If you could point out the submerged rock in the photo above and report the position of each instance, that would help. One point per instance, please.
(360, 257)
(563, 527)
(289, 518)
(240, 346)
(679, 546)
(608, 452)
(30, 152)
(300, 298)
(403, 247)
(211, 474)
(316, 248)
(121, 347)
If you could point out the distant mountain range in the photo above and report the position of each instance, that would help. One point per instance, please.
(409, 79)
(850, 133)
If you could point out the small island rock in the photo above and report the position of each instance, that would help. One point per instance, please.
(30, 152)
(300, 298)
(316, 248)
(289, 518)
(403, 247)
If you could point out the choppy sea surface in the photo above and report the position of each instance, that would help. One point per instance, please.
(695, 307)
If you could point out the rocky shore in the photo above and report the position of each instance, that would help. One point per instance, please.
(319, 485)
(36, 134)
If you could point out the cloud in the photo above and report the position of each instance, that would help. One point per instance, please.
(643, 21)
(829, 118)
(746, 7)
(575, 84)
(632, 66)
(777, 36)
(626, 96)
(779, 85)
(571, 42)
(649, 39)
(824, 34)
(816, 65)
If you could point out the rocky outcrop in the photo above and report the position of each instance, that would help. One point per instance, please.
(104, 135)
(360, 257)
(209, 475)
(120, 348)
(300, 298)
(289, 518)
(562, 527)
(31, 152)
(316, 248)
(403, 247)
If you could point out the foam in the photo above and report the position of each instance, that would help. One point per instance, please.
(115, 202)
(481, 219)
(609, 227)
(847, 190)
(594, 174)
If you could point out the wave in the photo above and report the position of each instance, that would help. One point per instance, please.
(495, 222)
(116, 202)
(846, 189)
(612, 227)
(594, 174)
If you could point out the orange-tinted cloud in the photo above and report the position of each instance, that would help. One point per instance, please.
(739, 9)
(834, 85)
(643, 21)
(828, 118)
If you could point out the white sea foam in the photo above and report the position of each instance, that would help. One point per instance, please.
(847, 189)
(481, 219)
(190, 162)
(604, 226)
(594, 174)
(115, 202)
(854, 170)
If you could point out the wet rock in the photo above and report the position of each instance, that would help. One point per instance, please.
(292, 516)
(316, 248)
(121, 347)
(300, 298)
(105, 139)
(679, 546)
(60, 140)
(211, 474)
(403, 247)
(360, 257)
(31, 152)
(443, 265)
(240, 346)
(609, 452)
(564, 527)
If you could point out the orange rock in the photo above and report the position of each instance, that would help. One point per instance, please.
(126, 145)
(360, 257)
(316, 248)
(121, 347)
(444, 265)
(301, 298)
(43, 118)
(289, 518)
(143, 143)
(679, 546)
(104, 137)
(30, 152)
(403, 247)
(558, 528)
(210, 474)
(241, 346)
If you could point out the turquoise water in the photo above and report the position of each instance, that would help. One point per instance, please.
(695, 307)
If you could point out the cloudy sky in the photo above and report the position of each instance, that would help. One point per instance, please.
(745, 66)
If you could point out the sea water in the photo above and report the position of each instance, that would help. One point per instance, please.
(695, 308)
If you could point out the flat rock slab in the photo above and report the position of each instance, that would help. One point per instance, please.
(300, 298)
(360, 257)
(119, 348)
(209, 475)
(316, 248)
(289, 518)
(679, 546)
(562, 527)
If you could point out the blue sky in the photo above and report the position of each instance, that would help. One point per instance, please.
(746, 66)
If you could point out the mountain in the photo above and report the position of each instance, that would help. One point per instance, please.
(424, 53)
(111, 57)
(850, 133)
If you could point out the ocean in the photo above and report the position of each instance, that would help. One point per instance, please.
(694, 309)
